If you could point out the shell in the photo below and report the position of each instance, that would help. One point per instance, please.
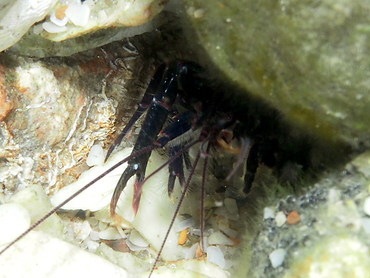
(101, 14)
(18, 16)
(65, 20)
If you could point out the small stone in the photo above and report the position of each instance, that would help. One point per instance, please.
(52, 28)
(268, 213)
(182, 237)
(78, 14)
(366, 206)
(60, 13)
(277, 257)
(280, 219)
(110, 234)
(96, 156)
(293, 218)
(219, 238)
(215, 255)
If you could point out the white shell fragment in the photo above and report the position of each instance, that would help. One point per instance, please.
(110, 234)
(190, 254)
(16, 17)
(219, 238)
(137, 239)
(14, 216)
(78, 14)
(52, 28)
(134, 247)
(215, 255)
(277, 257)
(96, 156)
(97, 196)
(366, 206)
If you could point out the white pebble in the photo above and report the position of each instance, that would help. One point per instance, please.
(96, 156)
(268, 213)
(215, 255)
(78, 14)
(133, 247)
(137, 239)
(219, 238)
(110, 234)
(121, 232)
(52, 28)
(14, 220)
(366, 206)
(277, 257)
(280, 219)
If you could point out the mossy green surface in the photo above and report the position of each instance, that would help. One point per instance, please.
(309, 59)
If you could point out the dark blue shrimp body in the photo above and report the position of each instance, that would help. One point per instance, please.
(208, 106)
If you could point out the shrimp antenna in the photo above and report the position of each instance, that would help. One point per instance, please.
(140, 152)
(184, 191)
(176, 212)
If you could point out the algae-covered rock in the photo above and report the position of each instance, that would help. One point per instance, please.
(309, 59)
(332, 237)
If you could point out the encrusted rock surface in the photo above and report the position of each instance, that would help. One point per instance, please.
(309, 59)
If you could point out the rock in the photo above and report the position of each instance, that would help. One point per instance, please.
(40, 255)
(331, 231)
(280, 219)
(277, 257)
(80, 18)
(309, 60)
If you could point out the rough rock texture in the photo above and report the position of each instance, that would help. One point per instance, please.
(34, 45)
(56, 108)
(309, 59)
(333, 229)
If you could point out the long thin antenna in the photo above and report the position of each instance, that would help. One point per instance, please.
(140, 152)
(176, 212)
(202, 197)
